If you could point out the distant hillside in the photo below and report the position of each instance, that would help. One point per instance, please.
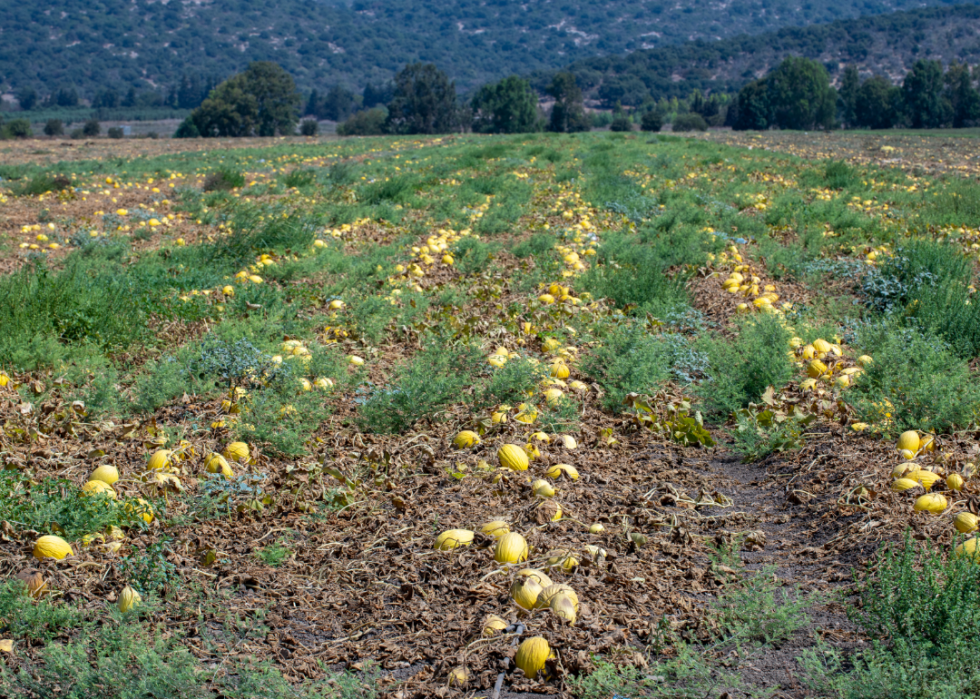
(885, 45)
(152, 43)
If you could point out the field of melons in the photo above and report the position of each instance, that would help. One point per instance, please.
(487, 416)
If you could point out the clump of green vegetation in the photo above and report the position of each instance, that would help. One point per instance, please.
(916, 379)
(431, 380)
(740, 370)
(473, 256)
(629, 360)
(921, 609)
(56, 506)
(223, 180)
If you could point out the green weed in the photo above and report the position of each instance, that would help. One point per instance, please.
(56, 506)
(23, 617)
(921, 610)
(433, 379)
(628, 360)
(741, 370)
(915, 379)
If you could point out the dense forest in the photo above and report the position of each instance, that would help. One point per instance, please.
(886, 45)
(122, 44)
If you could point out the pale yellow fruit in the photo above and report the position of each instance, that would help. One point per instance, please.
(323, 383)
(355, 360)
(906, 454)
(969, 548)
(532, 655)
(902, 484)
(142, 507)
(540, 437)
(596, 529)
(466, 439)
(808, 352)
(546, 299)
(161, 460)
(548, 593)
(542, 489)
(562, 559)
(525, 592)
(458, 676)
(551, 509)
(105, 473)
(909, 441)
(570, 472)
(563, 608)
(926, 478)
(550, 344)
(578, 386)
(99, 488)
(903, 470)
(494, 625)
(513, 457)
(821, 345)
(934, 503)
(815, 369)
(569, 443)
(859, 426)
(927, 443)
(52, 547)
(216, 463)
(532, 451)
(536, 575)
(236, 451)
(559, 370)
(965, 522)
(128, 599)
(497, 528)
(511, 548)
(554, 396)
(954, 481)
(453, 538)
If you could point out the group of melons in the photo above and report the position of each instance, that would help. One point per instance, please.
(556, 293)
(162, 469)
(821, 357)
(532, 588)
(737, 282)
(909, 474)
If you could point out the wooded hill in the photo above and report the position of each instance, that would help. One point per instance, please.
(882, 45)
(147, 44)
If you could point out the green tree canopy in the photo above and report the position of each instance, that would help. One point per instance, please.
(752, 109)
(800, 95)
(847, 99)
(261, 101)
(963, 98)
(877, 104)
(424, 102)
(925, 105)
(508, 106)
(568, 114)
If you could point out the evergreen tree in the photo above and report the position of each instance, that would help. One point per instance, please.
(926, 107)
(424, 102)
(800, 95)
(262, 101)
(752, 111)
(877, 104)
(27, 98)
(568, 114)
(508, 106)
(963, 98)
(847, 98)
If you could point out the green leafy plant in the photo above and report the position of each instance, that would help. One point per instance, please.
(740, 370)
(628, 360)
(914, 382)
(56, 506)
(420, 388)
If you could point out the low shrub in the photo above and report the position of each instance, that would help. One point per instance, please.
(916, 379)
(740, 370)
